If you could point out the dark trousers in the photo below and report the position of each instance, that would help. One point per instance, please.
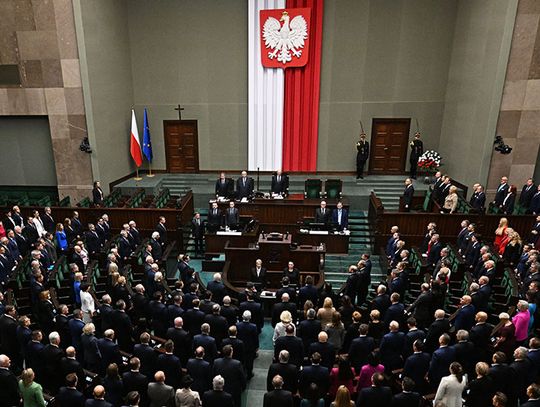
(360, 167)
(414, 165)
(199, 245)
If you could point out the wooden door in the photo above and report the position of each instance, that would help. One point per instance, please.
(181, 145)
(389, 140)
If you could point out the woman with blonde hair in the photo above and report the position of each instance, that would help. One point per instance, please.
(285, 320)
(31, 392)
(343, 398)
(451, 201)
(500, 233)
(512, 250)
(326, 312)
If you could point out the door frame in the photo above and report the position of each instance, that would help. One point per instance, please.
(165, 142)
(405, 148)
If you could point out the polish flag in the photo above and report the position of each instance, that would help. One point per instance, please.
(134, 143)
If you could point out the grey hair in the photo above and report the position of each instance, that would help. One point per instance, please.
(218, 383)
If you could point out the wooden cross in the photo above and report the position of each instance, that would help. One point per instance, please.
(179, 108)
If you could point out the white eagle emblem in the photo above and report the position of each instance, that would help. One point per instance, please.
(286, 39)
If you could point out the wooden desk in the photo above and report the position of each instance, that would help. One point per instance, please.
(288, 211)
(275, 256)
(215, 242)
(335, 244)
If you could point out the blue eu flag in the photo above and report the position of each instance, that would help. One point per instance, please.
(147, 144)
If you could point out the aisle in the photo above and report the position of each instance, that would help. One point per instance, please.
(253, 396)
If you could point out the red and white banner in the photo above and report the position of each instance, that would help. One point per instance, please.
(134, 142)
(283, 104)
(285, 37)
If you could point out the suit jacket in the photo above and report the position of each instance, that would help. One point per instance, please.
(359, 351)
(308, 292)
(218, 327)
(213, 398)
(93, 243)
(215, 219)
(48, 223)
(278, 398)
(317, 374)
(391, 348)
(281, 187)
(327, 352)
(247, 333)
(193, 319)
(201, 373)
(97, 403)
(535, 203)
(465, 318)
(293, 345)
(256, 313)
(478, 201)
(508, 204)
(135, 381)
(148, 357)
(526, 195)
(502, 190)
(244, 190)
(261, 278)
(172, 368)
(436, 329)
(10, 388)
(209, 345)
(232, 217)
(72, 366)
(344, 224)
(408, 399)
(225, 188)
(422, 308)
(97, 196)
(233, 373)
(321, 217)
(160, 394)
(110, 353)
(162, 230)
(68, 397)
(182, 343)
(288, 372)
(440, 362)
(52, 363)
(197, 230)
(308, 330)
(434, 253)
(278, 308)
(416, 367)
(374, 397)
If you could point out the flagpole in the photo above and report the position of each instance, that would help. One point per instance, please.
(137, 178)
(150, 168)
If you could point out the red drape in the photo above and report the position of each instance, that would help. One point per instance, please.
(302, 91)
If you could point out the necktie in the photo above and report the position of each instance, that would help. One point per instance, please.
(278, 179)
(198, 222)
(244, 182)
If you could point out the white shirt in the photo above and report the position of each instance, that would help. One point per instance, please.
(39, 226)
(87, 302)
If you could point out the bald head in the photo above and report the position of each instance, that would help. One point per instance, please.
(159, 376)
(99, 392)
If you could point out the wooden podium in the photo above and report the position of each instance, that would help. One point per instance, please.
(275, 250)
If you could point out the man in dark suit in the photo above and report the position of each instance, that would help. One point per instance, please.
(375, 396)
(181, 340)
(99, 398)
(70, 364)
(244, 186)
(146, 355)
(527, 193)
(478, 199)
(500, 372)
(396, 311)
(523, 373)
(440, 361)
(48, 221)
(280, 184)
(218, 324)
(239, 350)
(323, 348)
(408, 397)
(533, 396)
(207, 342)
(97, 194)
(308, 292)
(51, 356)
(480, 336)
(284, 305)
(391, 348)
(232, 372)
(69, 396)
(215, 218)
(217, 288)
(381, 302)
(535, 202)
(8, 333)
(502, 190)
(323, 214)
(287, 371)
(133, 380)
(200, 370)
(217, 397)
(417, 366)
(255, 309)
(197, 231)
(278, 397)
(224, 186)
(434, 251)
(110, 352)
(362, 154)
(360, 348)
(408, 195)
(422, 307)
(170, 365)
(232, 216)
(193, 318)
(417, 149)
(162, 230)
(340, 217)
(315, 373)
(465, 315)
(247, 333)
(440, 326)
(291, 344)
(258, 273)
(8, 383)
(308, 329)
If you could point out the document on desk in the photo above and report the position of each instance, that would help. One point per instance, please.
(318, 232)
(229, 233)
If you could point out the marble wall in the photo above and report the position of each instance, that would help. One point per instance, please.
(519, 116)
(39, 36)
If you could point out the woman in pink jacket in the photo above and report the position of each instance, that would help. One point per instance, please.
(521, 322)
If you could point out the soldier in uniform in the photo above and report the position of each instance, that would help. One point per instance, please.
(417, 149)
(361, 157)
